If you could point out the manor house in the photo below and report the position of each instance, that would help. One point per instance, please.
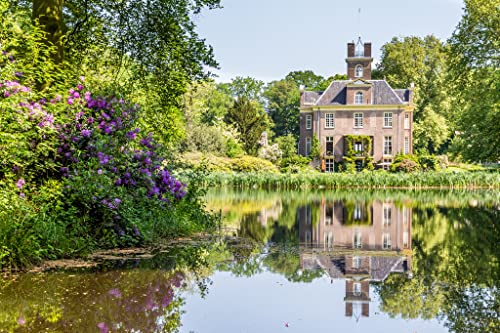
(359, 119)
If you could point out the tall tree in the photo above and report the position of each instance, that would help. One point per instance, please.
(250, 120)
(247, 87)
(151, 44)
(283, 103)
(306, 78)
(421, 61)
(474, 71)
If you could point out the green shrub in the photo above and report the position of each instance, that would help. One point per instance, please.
(405, 163)
(429, 162)
(294, 164)
(252, 164)
(233, 148)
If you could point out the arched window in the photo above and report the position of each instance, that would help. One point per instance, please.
(359, 71)
(358, 98)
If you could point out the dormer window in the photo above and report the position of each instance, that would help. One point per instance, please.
(359, 71)
(358, 98)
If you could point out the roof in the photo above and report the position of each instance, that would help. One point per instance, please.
(403, 94)
(310, 97)
(336, 93)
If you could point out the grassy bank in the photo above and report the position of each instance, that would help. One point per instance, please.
(379, 180)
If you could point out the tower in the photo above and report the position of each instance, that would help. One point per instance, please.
(359, 60)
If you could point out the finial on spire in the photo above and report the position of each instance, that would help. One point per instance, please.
(359, 21)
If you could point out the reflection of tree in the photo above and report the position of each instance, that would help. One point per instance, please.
(456, 270)
(134, 300)
(124, 296)
(410, 298)
(287, 263)
(252, 229)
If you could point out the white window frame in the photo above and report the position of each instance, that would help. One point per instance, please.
(406, 145)
(387, 215)
(308, 146)
(358, 119)
(405, 239)
(356, 262)
(388, 149)
(386, 240)
(359, 97)
(388, 119)
(357, 214)
(357, 240)
(309, 121)
(358, 71)
(328, 239)
(356, 288)
(407, 121)
(329, 165)
(330, 120)
(387, 160)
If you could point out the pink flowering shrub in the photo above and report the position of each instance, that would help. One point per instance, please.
(78, 161)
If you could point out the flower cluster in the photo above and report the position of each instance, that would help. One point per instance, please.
(104, 130)
(96, 143)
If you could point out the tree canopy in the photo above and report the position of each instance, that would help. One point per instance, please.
(421, 61)
(474, 58)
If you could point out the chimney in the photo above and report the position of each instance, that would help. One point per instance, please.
(368, 50)
(350, 49)
(410, 93)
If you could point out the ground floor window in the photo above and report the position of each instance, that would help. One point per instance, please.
(387, 163)
(329, 146)
(407, 145)
(308, 146)
(329, 165)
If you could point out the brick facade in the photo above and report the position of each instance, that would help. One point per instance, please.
(373, 100)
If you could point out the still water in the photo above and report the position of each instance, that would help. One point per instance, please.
(291, 262)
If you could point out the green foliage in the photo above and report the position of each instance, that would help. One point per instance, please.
(428, 162)
(405, 163)
(294, 164)
(233, 148)
(250, 120)
(311, 81)
(288, 145)
(311, 179)
(422, 61)
(315, 149)
(283, 102)
(252, 164)
(213, 163)
(306, 78)
(352, 156)
(246, 87)
(474, 63)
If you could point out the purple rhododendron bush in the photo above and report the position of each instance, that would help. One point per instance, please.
(77, 174)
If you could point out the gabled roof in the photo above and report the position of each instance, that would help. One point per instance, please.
(336, 93)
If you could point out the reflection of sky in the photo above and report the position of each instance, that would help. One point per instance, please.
(264, 302)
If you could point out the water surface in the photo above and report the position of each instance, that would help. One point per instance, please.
(291, 262)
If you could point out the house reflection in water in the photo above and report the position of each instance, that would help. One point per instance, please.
(356, 241)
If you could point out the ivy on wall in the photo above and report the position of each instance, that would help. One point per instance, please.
(351, 155)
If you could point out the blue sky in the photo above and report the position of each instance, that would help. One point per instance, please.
(267, 39)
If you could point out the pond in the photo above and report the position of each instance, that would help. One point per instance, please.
(311, 261)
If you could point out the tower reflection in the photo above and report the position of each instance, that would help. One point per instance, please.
(356, 241)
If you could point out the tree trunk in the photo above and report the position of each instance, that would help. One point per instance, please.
(48, 15)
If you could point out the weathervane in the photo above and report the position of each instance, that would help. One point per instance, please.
(359, 21)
